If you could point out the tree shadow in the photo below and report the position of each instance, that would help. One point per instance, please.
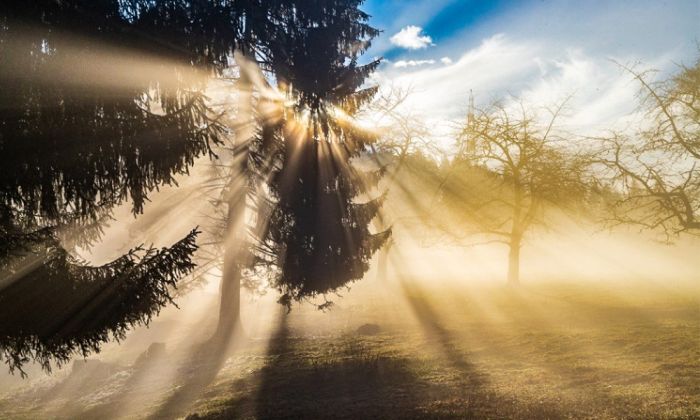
(623, 345)
(433, 329)
(474, 387)
(351, 377)
(349, 383)
(586, 350)
(94, 389)
(197, 373)
(146, 381)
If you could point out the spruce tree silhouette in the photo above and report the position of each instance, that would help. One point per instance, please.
(311, 49)
(100, 103)
(314, 225)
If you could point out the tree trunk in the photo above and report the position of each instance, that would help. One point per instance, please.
(230, 290)
(514, 261)
(235, 240)
(516, 232)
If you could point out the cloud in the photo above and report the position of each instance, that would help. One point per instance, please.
(544, 64)
(411, 38)
(601, 96)
(412, 63)
(500, 66)
(493, 68)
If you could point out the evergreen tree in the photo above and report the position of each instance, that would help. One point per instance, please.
(309, 49)
(314, 226)
(101, 102)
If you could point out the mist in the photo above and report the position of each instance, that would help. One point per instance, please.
(253, 210)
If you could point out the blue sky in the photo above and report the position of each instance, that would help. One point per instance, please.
(442, 19)
(626, 24)
(539, 50)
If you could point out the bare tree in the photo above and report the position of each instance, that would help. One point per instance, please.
(511, 168)
(403, 131)
(656, 166)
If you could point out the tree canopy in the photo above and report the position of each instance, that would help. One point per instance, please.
(656, 165)
(103, 102)
(315, 219)
(514, 169)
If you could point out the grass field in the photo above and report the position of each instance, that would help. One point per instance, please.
(541, 351)
(546, 352)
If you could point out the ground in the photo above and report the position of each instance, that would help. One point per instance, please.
(542, 351)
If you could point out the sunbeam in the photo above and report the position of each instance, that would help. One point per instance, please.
(349, 209)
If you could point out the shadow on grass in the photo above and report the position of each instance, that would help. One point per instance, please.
(145, 381)
(197, 374)
(350, 383)
(433, 329)
(349, 377)
(98, 390)
(584, 355)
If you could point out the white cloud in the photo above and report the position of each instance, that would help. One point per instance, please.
(600, 95)
(603, 96)
(491, 69)
(412, 63)
(411, 38)
(545, 64)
